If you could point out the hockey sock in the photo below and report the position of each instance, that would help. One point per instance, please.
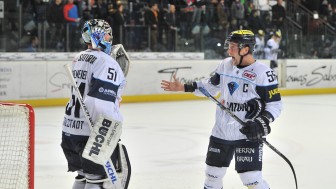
(253, 180)
(214, 177)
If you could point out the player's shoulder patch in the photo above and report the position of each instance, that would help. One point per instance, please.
(269, 93)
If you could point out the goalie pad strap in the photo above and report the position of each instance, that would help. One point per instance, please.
(80, 178)
(100, 181)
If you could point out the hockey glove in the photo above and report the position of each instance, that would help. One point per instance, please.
(255, 107)
(257, 128)
(121, 56)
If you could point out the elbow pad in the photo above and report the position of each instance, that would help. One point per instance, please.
(215, 79)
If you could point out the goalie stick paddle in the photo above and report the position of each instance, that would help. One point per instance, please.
(207, 94)
(109, 167)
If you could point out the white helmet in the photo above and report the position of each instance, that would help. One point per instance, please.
(99, 33)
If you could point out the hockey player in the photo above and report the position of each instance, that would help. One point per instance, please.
(101, 81)
(260, 45)
(249, 90)
(272, 49)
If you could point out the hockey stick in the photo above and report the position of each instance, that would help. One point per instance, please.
(108, 167)
(207, 94)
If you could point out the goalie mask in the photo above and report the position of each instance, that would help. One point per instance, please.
(98, 33)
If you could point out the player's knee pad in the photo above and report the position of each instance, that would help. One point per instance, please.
(253, 180)
(214, 177)
(80, 181)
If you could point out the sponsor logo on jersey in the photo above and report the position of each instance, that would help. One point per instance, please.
(249, 75)
(73, 123)
(216, 150)
(273, 92)
(109, 92)
(260, 152)
(233, 86)
(237, 107)
(245, 150)
(244, 159)
(81, 74)
(87, 58)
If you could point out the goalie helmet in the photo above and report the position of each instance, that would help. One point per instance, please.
(98, 33)
(243, 38)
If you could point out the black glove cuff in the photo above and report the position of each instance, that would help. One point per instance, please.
(264, 123)
(267, 115)
(190, 87)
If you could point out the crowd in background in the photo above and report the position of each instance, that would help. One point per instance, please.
(159, 25)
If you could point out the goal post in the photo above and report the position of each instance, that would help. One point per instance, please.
(17, 133)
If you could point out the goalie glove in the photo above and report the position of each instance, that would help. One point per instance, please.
(121, 56)
(257, 128)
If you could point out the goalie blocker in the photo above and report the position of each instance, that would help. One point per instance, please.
(103, 146)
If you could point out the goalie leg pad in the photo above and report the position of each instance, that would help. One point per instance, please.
(103, 140)
(125, 173)
(97, 169)
(253, 180)
(122, 165)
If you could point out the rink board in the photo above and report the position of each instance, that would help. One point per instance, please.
(40, 78)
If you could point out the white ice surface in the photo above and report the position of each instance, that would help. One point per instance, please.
(167, 144)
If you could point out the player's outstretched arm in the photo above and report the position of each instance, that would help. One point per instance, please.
(174, 85)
